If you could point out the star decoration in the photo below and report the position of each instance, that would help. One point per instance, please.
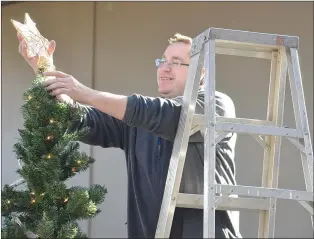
(37, 44)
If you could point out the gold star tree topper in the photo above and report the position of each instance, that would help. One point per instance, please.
(37, 45)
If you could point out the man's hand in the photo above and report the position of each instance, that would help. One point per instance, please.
(33, 61)
(60, 83)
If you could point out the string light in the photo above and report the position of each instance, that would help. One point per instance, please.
(51, 121)
(8, 202)
(33, 201)
(32, 193)
(73, 169)
(42, 194)
(49, 156)
(78, 161)
(49, 137)
(65, 200)
(29, 97)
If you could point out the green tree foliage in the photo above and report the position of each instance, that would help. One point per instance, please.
(48, 150)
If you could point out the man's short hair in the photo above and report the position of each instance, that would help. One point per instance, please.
(178, 37)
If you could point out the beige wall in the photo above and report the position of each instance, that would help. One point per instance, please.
(119, 58)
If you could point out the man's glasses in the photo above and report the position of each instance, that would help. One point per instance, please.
(172, 64)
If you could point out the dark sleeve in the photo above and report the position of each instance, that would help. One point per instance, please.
(158, 115)
(105, 130)
(161, 116)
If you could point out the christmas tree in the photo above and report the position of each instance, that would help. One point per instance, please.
(48, 153)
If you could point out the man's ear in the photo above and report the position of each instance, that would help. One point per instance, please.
(51, 47)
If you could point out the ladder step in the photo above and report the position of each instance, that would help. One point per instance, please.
(261, 192)
(234, 51)
(244, 39)
(234, 203)
(231, 49)
(249, 126)
(259, 130)
(198, 119)
(253, 37)
(224, 203)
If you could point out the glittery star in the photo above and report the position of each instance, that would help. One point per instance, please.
(37, 44)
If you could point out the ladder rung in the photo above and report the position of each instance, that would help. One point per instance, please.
(198, 119)
(264, 192)
(225, 203)
(259, 130)
(249, 126)
(233, 51)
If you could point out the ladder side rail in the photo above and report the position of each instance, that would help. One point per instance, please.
(275, 113)
(301, 118)
(209, 141)
(264, 216)
(300, 113)
(177, 159)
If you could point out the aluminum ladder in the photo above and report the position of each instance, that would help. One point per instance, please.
(282, 51)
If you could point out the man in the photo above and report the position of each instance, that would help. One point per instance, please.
(145, 128)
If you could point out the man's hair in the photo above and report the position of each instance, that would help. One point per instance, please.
(178, 37)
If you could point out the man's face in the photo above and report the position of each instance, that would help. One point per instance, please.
(172, 75)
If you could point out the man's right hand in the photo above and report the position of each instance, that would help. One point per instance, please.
(33, 61)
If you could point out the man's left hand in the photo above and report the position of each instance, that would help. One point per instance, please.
(60, 83)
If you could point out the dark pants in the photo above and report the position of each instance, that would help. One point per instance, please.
(188, 223)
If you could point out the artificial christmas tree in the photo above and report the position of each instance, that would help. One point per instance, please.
(49, 155)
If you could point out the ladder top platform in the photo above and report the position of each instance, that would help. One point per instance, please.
(243, 39)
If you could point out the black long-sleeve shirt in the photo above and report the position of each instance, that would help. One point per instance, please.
(146, 134)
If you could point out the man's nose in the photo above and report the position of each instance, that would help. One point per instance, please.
(165, 67)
